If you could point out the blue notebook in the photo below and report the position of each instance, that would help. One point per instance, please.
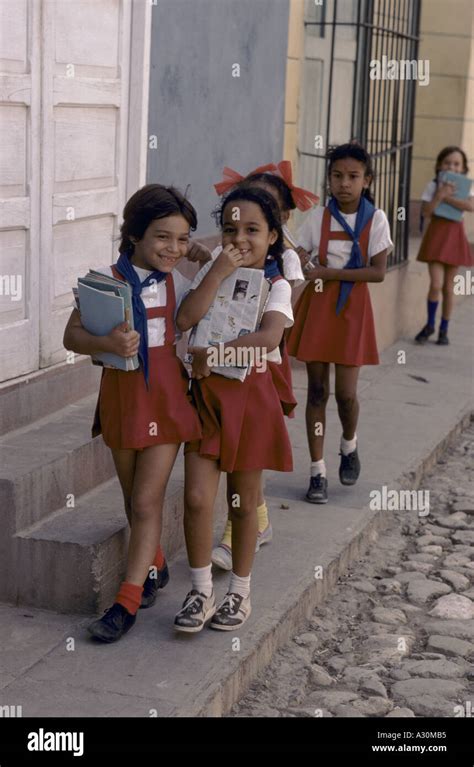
(463, 187)
(104, 305)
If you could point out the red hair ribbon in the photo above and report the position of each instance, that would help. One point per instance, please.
(303, 198)
(232, 177)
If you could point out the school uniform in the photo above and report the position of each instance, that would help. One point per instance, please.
(444, 241)
(243, 426)
(318, 333)
(281, 371)
(130, 415)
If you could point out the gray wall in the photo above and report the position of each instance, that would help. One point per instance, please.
(203, 117)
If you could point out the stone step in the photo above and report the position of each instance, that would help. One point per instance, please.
(26, 399)
(73, 560)
(46, 462)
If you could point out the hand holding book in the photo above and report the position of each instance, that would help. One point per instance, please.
(123, 341)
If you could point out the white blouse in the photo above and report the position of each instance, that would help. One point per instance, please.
(155, 295)
(339, 251)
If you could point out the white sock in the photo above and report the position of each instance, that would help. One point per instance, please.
(239, 585)
(318, 467)
(201, 579)
(348, 445)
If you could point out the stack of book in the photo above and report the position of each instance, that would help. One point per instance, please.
(104, 303)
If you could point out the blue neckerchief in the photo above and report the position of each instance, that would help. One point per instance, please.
(365, 212)
(125, 268)
(271, 269)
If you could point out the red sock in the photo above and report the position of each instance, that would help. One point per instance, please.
(159, 560)
(129, 596)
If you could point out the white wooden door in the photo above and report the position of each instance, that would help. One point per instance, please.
(320, 98)
(19, 185)
(85, 96)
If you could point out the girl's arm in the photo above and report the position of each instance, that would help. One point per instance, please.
(119, 341)
(443, 191)
(266, 338)
(198, 252)
(199, 299)
(373, 273)
(467, 205)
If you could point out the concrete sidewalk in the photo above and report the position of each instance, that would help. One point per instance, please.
(409, 412)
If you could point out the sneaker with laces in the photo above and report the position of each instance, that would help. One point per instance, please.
(152, 584)
(196, 610)
(318, 489)
(232, 613)
(349, 468)
(115, 622)
(424, 334)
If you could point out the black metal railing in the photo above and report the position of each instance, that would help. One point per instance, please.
(382, 109)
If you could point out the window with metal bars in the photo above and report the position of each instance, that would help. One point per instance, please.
(340, 101)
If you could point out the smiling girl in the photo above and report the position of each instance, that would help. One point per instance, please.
(145, 414)
(243, 424)
(349, 241)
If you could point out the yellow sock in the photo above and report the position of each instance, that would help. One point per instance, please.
(227, 537)
(262, 514)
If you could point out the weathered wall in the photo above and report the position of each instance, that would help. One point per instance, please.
(203, 117)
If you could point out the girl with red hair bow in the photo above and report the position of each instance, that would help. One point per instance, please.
(277, 181)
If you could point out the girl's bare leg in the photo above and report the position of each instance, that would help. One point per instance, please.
(125, 462)
(448, 292)
(152, 472)
(346, 397)
(318, 394)
(245, 485)
(436, 270)
(200, 490)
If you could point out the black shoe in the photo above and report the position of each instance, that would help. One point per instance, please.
(318, 490)
(443, 339)
(424, 334)
(349, 468)
(115, 622)
(151, 586)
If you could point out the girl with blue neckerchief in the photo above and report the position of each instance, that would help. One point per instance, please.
(144, 414)
(348, 242)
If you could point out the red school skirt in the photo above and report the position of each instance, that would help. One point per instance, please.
(319, 335)
(445, 241)
(283, 383)
(131, 416)
(243, 427)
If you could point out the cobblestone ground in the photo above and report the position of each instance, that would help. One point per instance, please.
(396, 636)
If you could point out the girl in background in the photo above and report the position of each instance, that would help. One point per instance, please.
(444, 247)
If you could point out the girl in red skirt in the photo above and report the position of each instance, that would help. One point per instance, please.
(444, 247)
(277, 181)
(145, 414)
(243, 424)
(333, 316)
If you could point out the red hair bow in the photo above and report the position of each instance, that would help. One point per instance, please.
(303, 198)
(231, 177)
